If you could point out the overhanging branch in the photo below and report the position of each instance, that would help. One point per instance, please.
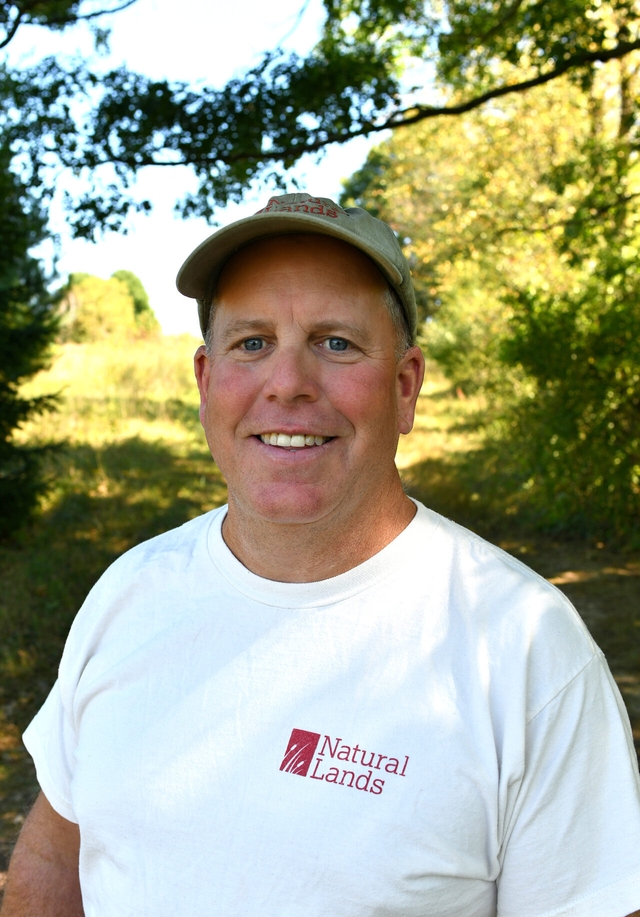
(400, 118)
(13, 28)
(29, 5)
(116, 9)
(575, 62)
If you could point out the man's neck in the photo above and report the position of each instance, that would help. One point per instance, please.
(312, 551)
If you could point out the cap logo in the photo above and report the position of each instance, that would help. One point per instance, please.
(313, 205)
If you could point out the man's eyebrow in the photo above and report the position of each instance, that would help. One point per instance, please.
(333, 325)
(244, 326)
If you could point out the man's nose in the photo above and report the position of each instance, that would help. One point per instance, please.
(290, 375)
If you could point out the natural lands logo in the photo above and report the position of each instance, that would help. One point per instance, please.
(316, 206)
(303, 747)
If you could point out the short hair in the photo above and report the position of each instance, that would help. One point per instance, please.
(390, 299)
(393, 304)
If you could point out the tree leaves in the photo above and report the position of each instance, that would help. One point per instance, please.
(27, 324)
(108, 127)
(522, 223)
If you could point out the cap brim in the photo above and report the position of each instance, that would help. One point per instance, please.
(203, 266)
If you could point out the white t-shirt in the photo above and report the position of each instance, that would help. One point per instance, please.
(431, 734)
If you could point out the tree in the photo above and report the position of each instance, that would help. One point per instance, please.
(91, 309)
(525, 244)
(146, 320)
(28, 320)
(55, 14)
(27, 325)
(477, 216)
(261, 123)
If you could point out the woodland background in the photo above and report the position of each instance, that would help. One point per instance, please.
(508, 166)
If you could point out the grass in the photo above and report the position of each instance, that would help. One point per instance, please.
(133, 463)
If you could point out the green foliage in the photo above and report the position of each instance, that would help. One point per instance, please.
(109, 126)
(27, 325)
(144, 314)
(92, 308)
(27, 318)
(524, 245)
(476, 216)
(136, 290)
(579, 428)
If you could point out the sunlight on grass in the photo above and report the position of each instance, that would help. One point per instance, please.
(445, 423)
(158, 369)
(109, 393)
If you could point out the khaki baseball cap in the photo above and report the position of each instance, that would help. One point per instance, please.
(299, 213)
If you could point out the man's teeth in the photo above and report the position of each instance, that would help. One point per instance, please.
(297, 441)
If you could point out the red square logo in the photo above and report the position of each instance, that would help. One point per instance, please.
(300, 750)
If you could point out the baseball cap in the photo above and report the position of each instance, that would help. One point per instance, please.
(299, 213)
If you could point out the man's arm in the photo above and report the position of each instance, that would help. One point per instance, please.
(43, 878)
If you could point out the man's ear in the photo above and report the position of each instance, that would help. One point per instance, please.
(409, 376)
(202, 369)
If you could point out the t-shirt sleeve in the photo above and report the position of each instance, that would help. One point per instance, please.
(50, 740)
(572, 844)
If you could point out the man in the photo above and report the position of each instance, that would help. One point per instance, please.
(325, 699)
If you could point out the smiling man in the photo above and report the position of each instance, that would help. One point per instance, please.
(324, 699)
(303, 396)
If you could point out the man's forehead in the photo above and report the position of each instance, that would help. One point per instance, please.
(304, 252)
(320, 285)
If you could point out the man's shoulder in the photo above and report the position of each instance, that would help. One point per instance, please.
(494, 600)
(174, 561)
(143, 591)
(173, 549)
(473, 560)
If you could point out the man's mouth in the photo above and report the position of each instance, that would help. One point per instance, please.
(294, 441)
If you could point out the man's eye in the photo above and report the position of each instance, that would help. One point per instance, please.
(337, 345)
(251, 345)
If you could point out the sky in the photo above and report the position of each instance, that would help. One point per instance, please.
(192, 40)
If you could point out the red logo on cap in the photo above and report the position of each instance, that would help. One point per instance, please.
(313, 205)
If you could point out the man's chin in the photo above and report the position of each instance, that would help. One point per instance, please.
(287, 505)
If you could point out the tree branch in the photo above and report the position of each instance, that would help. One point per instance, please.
(116, 9)
(60, 20)
(12, 31)
(421, 112)
(400, 118)
(301, 12)
(575, 62)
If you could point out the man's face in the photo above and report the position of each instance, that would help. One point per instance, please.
(303, 351)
